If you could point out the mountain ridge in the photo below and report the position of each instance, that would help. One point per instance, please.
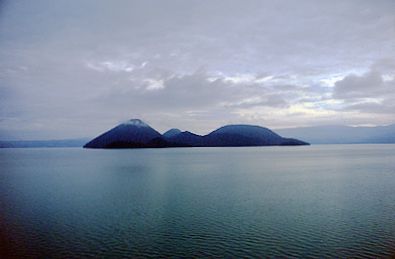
(384, 135)
(341, 134)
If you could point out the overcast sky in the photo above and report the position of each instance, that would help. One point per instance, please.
(77, 68)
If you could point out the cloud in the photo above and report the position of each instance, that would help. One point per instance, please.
(73, 69)
(372, 92)
(370, 84)
(197, 90)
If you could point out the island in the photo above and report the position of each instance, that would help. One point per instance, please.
(135, 133)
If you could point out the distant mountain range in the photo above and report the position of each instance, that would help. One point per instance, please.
(137, 134)
(342, 134)
(43, 143)
(313, 135)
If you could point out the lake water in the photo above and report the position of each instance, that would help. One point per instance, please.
(307, 201)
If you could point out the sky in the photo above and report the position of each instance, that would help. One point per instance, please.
(71, 69)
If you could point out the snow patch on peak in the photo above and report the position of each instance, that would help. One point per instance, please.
(136, 122)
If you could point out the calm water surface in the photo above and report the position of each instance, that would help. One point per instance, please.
(314, 201)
